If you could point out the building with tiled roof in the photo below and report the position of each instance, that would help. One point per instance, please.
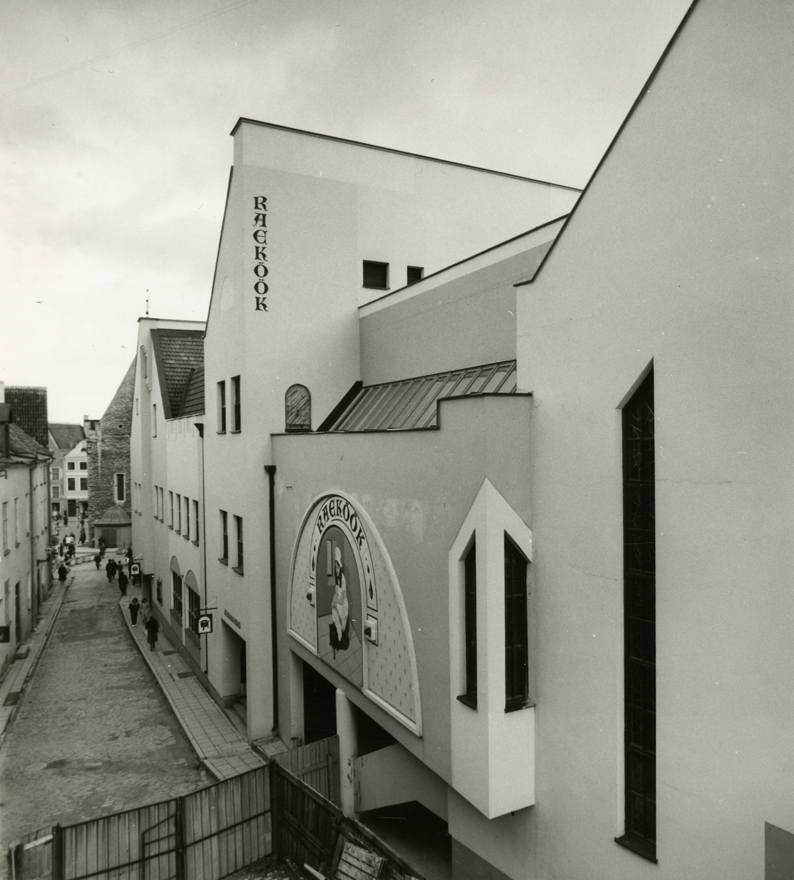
(165, 454)
(25, 576)
(63, 438)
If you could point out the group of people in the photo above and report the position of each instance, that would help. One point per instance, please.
(149, 620)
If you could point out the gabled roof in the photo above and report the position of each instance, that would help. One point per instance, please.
(66, 436)
(30, 411)
(179, 354)
(193, 401)
(411, 404)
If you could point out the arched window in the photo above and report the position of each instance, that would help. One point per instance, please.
(298, 408)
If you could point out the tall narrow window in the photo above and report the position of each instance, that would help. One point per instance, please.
(171, 507)
(516, 640)
(196, 521)
(639, 621)
(176, 593)
(237, 419)
(178, 523)
(120, 492)
(224, 537)
(238, 523)
(187, 517)
(470, 626)
(221, 407)
(6, 548)
(298, 408)
(154, 420)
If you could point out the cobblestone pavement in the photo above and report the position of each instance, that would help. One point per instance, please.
(93, 733)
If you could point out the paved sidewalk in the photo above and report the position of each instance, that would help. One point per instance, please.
(20, 671)
(217, 742)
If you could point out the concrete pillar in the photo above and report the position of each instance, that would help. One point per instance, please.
(348, 749)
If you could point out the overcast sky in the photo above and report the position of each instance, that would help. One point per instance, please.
(114, 135)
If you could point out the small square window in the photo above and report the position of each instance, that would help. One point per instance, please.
(376, 275)
(415, 273)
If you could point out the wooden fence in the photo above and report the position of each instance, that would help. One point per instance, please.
(205, 835)
(316, 764)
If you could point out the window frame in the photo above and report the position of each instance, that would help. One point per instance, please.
(237, 423)
(381, 267)
(413, 269)
(469, 696)
(238, 529)
(221, 398)
(639, 620)
(224, 558)
(516, 627)
(121, 496)
(177, 603)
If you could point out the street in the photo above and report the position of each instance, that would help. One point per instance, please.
(93, 734)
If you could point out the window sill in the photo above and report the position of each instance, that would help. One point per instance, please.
(186, 537)
(238, 569)
(195, 543)
(467, 700)
(220, 432)
(639, 847)
(223, 560)
(375, 287)
(6, 551)
(517, 705)
(236, 431)
(171, 527)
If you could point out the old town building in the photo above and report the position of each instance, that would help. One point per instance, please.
(25, 578)
(108, 450)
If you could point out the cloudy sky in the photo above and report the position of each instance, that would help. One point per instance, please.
(114, 135)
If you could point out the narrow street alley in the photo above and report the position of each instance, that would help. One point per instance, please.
(93, 734)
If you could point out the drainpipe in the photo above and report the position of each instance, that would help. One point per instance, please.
(271, 476)
(200, 428)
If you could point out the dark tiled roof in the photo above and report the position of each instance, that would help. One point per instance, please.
(66, 436)
(193, 402)
(30, 411)
(413, 403)
(21, 446)
(178, 353)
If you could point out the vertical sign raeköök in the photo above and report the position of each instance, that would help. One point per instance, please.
(261, 287)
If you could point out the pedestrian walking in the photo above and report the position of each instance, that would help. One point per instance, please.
(97, 561)
(152, 628)
(134, 607)
(82, 535)
(110, 570)
(123, 581)
(62, 572)
(128, 554)
(145, 610)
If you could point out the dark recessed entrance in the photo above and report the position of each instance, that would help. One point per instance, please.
(319, 706)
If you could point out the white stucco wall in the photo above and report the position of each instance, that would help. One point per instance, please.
(679, 253)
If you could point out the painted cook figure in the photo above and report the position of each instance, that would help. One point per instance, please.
(340, 609)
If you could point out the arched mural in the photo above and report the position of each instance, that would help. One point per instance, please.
(346, 607)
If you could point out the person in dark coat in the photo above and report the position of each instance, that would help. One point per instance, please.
(62, 572)
(128, 554)
(152, 628)
(97, 561)
(123, 581)
(110, 570)
(134, 606)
